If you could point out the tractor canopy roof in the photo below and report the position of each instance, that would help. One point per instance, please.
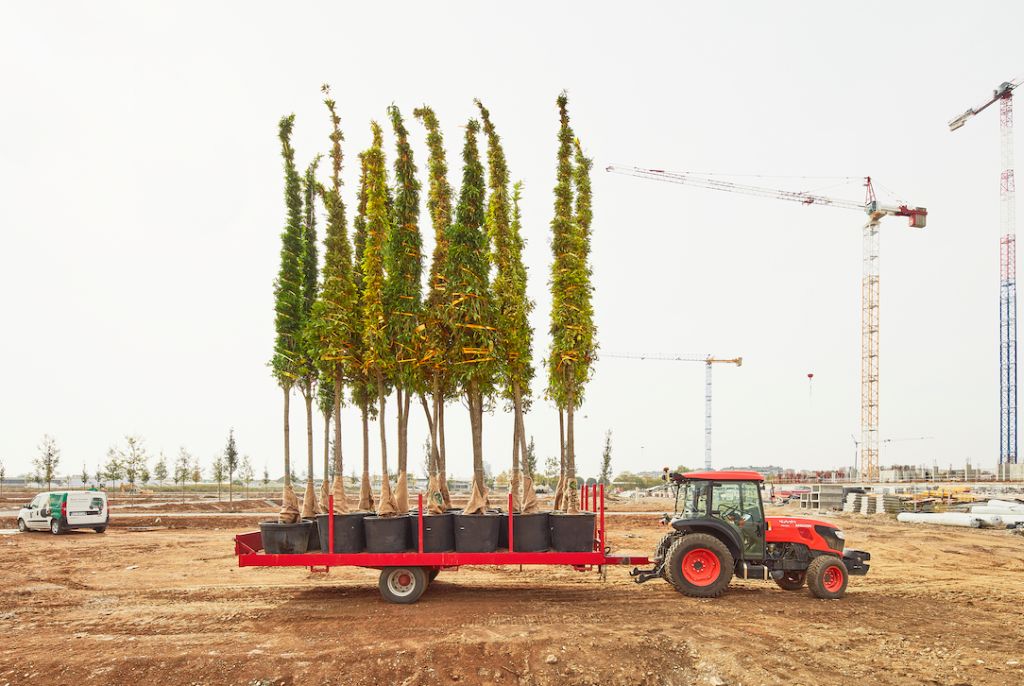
(723, 476)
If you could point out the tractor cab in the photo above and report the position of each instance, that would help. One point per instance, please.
(727, 501)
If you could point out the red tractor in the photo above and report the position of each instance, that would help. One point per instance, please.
(719, 529)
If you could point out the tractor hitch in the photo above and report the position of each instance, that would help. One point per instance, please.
(643, 575)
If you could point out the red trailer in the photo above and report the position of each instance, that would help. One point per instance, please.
(405, 576)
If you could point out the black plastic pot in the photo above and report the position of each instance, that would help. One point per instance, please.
(476, 533)
(386, 534)
(503, 530)
(348, 532)
(572, 533)
(438, 533)
(532, 532)
(285, 539)
(314, 536)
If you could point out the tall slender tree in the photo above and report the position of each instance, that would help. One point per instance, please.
(376, 344)
(572, 317)
(48, 460)
(471, 307)
(336, 311)
(403, 265)
(512, 306)
(364, 389)
(309, 370)
(288, 305)
(231, 463)
(437, 333)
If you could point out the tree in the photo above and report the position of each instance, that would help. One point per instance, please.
(336, 314)
(511, 304)
(84, 476)
(364, 388)
(48, 460)
(403, 266)
(144, 475)
(113, 470)
(266, 477)
(309, 373)
(197, 472)
(606, 460)
(182, 469)
(572, 315)
(247, 474)
(437, 333)
(288, 305)
(133, 459)
(3, 475)
(470, 307)
(230, 462)
(219, 470)
(160, 469)
(530, 460)
(376, 347)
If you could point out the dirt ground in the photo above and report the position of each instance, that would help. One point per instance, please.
(170, 606)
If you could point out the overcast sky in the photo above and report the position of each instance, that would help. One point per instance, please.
(142, 206)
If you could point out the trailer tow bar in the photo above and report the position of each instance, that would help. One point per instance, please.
(643, 575)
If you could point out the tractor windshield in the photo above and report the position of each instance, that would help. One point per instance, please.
(692, 499)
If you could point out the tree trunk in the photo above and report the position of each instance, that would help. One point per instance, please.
(309, 506)
(572, 488)
(402, 486)
(386, 506)
(560, 484)
(442, 464)
(476, 418)
(365, 492)
(287, 440)
(518, 448)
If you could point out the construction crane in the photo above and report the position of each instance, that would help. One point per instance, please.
(708, 360)
(875, 210)
(1007, 269)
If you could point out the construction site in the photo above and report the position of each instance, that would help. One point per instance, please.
(470, 346)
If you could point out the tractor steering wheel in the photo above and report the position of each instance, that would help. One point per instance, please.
(731, 513)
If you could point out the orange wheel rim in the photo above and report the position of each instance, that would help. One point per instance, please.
(701, 567)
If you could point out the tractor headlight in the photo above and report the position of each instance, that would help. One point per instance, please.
(839, 534)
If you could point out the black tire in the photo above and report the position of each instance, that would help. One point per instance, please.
(792, 581)
(22, 526)
(55, 527)
(432, 574)
(709, 566)
(100, 529)
(402, 585)
(827, 577)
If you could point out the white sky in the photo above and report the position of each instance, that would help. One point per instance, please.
(142, 206)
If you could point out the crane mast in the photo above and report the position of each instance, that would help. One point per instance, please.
(1007, 268)
(870, 333)
(708, 360)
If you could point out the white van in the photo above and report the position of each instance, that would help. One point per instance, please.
(60, 511)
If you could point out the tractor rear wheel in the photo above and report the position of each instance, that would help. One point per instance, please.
(699, 566)
(792, 581)
(827, 577)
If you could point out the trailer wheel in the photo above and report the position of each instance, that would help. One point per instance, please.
(402, 585)
(792, 581)
(699, 566)
(827, 577)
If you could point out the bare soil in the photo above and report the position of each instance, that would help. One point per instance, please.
(940, 606)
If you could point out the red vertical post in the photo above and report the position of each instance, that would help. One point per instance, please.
(511, 526)
(330, 523)
(584, 497)
(601, 532)
(419, 523)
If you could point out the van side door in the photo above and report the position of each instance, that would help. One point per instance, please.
(36, 520)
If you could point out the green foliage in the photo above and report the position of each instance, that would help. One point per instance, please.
(335, 314)
(133, 458)
(363, 391)
(376, 348)
(231, 454)
(159, 471)
(403, 262)
(530, 459)
(288, 291)
(470, 306)
(182, 467)
(572, 314)
(512, 306)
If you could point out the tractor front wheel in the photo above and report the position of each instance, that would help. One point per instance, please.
(792, 581)
(827, 577)
(699, 566)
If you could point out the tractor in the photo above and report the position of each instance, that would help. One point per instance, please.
(719, 530)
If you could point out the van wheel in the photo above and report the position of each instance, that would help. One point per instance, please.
(55, 528)
(22, 527)
(100, 529)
